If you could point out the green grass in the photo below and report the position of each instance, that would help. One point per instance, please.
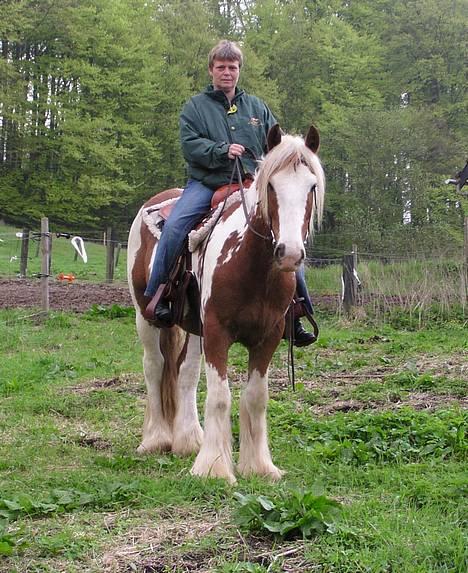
(63, 257)
(376, 424)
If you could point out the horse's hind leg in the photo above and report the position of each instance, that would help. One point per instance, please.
(160, 367)
(254, 454)
(187, 433)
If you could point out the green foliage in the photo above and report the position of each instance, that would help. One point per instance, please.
(59, 501)
(72, 421)
(92, 92)
(298, 513)
(113, 311)
(8, 539)
(384, 437)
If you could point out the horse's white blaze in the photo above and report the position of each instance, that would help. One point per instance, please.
(215, 456)
(254, 455)
(188, 433)
(291, 213)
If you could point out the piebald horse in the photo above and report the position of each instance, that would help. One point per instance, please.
(246, 277)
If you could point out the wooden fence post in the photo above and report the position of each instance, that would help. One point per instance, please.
(45, 263)
(349, 283)
(24, 253)
(119, 248)
(110, 256)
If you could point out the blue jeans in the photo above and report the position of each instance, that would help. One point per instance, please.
(193, 205)
(301, 289)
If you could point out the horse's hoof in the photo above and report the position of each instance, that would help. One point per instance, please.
(216, 469)
(151, 447)
(269, 471)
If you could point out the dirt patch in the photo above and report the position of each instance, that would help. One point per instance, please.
(77, 296)
(125, 383)
(156, 548)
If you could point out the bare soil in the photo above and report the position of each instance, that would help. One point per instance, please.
(79, 296)
(76, 296)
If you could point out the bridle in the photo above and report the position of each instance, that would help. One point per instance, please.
(237, 173)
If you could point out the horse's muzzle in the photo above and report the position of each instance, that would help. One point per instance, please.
(288, 258)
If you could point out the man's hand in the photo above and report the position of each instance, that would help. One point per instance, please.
(235, 150)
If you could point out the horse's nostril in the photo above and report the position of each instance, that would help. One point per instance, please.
(280, 250)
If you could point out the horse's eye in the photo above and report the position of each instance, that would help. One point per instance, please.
(313, 188)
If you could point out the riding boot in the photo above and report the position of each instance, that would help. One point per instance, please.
(301, 336)
(163, 312)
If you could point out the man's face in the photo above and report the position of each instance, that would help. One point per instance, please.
(225, 75)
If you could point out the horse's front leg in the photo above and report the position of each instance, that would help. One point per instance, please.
(254, 455)
(215, 456)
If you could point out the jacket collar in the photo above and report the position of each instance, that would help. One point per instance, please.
(220, 96)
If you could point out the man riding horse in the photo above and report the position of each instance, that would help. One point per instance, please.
(216, 127)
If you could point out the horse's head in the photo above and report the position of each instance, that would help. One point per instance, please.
(290, 186)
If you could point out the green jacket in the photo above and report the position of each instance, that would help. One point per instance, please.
(207, 128)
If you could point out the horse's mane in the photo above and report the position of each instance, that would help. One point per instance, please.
(289, 153)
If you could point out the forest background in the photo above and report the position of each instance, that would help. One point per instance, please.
(91, 91)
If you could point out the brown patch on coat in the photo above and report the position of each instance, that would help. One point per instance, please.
(230, 210)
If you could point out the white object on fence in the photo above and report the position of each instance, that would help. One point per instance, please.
(78, 244)
(19, 235)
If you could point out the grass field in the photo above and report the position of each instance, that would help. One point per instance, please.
(376, 424)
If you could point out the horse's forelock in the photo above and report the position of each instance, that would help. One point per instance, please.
(291, 151)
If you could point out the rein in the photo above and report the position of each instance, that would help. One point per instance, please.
(237, 171)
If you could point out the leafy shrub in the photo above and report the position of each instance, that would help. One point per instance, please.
(398, 436)
(300, 514)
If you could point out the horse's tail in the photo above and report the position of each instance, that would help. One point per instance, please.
(172, 343)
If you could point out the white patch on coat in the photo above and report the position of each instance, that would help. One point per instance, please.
(254, 455)
(235, 223)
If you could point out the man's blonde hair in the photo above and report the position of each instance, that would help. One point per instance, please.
(225, 50)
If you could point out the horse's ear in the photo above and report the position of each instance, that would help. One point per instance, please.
(274, 136)
(312, 139)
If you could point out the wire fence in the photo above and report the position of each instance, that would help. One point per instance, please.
(383, 280)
